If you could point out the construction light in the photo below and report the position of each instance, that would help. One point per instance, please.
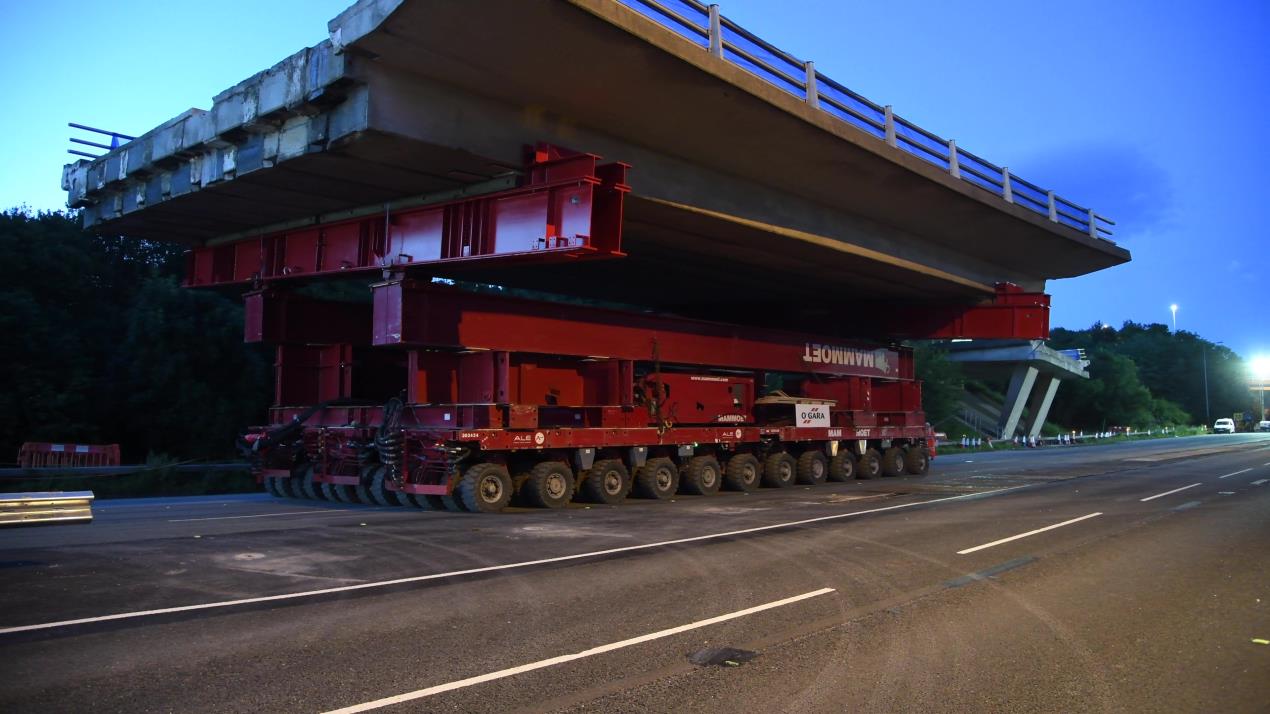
(1260, 367)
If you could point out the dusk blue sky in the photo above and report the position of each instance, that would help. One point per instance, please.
(1153, 113)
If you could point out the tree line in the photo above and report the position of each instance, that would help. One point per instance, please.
(1145, 374)
(102, 345)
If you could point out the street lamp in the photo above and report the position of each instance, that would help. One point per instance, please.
(1173, 309)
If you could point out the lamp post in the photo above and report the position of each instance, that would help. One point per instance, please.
(1173, 309)
(1208, 418)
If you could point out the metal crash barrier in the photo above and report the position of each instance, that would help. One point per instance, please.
(46, 508)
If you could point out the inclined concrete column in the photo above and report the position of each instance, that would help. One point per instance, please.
(1039, 407)
(1020, 387)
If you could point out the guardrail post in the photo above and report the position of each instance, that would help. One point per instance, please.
(1007, 191)
(813, 92)
(716, 32)
(890, 124)
(1093, 224)
(954, 165)
(1049, 195)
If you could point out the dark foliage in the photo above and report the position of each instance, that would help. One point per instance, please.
(102, 346)
(1147, 375)
(942, 383)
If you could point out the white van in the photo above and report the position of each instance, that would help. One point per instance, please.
(1224, 426)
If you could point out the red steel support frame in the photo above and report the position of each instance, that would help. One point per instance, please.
(410, 313)
(567, 208)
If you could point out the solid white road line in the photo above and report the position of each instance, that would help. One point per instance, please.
(1236, 473)
(1258, 482)
(540, 664)
(485, 569)
(266, 515)
(1166, 493)
(1029, 533)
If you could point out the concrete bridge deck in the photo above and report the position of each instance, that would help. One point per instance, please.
(737, 185)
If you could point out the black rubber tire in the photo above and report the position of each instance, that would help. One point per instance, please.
(485, 488)
(271, 486)
(607, 481)
(453, 503)
(917, 460)
(428, 503)
(285, 486)
(327, 492)
(813, 467)
(309, 488)
(379, 494)
(550, 485)
(403, 499)
(343, 493)
(893, 462)
(742, 473)
(361, 492)
(842, 467)
(869, 465)
(779, 470)
(658, 478)
(701, 476)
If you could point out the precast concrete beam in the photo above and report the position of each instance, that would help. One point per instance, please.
(410, 97)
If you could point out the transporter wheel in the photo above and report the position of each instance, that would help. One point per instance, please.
(427, 503)
(550, 485)
(870, 464)
(453, 502)
(378, 491)
(362, 490)
(327, 492)
(893, 461)
(309, 488)
(742, 473)
(343, 493)
(286, 484)
(607, 481)
(403, 499)
(271, 486)
(813, 467)
(486, 488)
(779, 470)
(400, 498)
(917, 460)
(700, 476)
(657, 478)
(842, 467)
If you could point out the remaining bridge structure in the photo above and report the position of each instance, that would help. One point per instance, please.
(753, 172)
(1035, 372)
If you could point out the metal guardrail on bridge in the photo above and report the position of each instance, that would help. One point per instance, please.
(704, 26)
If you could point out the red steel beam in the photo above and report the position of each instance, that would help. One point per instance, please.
(415, 314)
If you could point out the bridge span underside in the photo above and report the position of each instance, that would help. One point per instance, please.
(737, 187)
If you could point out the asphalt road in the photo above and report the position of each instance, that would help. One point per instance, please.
(1133, 577)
